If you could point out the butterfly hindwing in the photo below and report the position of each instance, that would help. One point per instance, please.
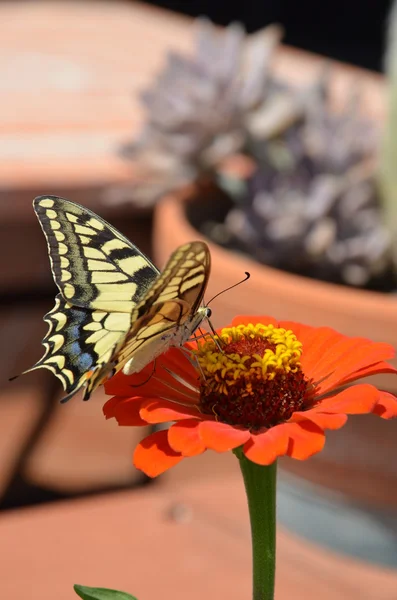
(93, 264)
(80, 344)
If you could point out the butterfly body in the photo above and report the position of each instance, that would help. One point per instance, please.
(115, 310)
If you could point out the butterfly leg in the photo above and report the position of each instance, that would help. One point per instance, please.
(148, 379)
(192, 358)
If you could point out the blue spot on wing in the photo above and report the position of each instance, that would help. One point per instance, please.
(84, 361)
(74, 349)
(81, 360)
(77, 318)
(73, 332)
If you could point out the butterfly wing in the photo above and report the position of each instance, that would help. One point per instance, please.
(80, 345)
(170, 312)
(93, 264)
(102, 278)
(184, 277)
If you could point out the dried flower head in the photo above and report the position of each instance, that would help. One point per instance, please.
(199, 107)
(312, 204)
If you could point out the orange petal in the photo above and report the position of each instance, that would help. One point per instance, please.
(184, 437)
(177, 362)
(154, 455)
(264, 448)
(355, 400)
(316, 342)
(153, 382)
(323, 420)
(300, 329)
(156, 410)
(323, 351)
(128, 385)
(334, 359)
(375, 369)
(247, 319)
(109, 406)
(324, 346)
(305, 439)
(222, 437)
(386, 407)
(359, 363)
(345, 359)
(124, 410)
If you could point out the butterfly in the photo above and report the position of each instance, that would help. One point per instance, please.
(115, 310)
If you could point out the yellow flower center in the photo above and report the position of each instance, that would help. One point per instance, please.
(253, 378)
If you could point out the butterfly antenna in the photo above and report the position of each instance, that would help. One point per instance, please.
(247, 276)
(146, 380)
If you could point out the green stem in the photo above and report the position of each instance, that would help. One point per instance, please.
(260, 487)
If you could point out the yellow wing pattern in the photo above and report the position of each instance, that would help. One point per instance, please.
(170, 311)
(80, 345)
(93, 264)
(114, 309)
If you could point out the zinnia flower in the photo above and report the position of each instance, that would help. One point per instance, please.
(271, 388)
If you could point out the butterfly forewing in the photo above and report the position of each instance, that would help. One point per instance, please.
(93, 264)
(184, 277)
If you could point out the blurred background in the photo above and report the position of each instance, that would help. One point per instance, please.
(349, 31)
(74, 123)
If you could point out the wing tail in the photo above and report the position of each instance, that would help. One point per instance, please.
(80, 346)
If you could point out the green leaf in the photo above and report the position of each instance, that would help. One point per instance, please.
(89, 593)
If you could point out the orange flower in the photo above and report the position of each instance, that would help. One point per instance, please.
(270, 387)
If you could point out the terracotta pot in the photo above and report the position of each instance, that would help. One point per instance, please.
(271, 291)
(355, 463)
